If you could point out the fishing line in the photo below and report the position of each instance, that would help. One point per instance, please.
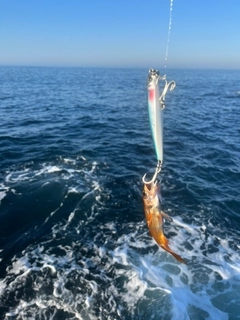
(169, 33)
(151, 190)
(156, 103)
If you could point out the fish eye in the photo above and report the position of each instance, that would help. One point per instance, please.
(144, 194)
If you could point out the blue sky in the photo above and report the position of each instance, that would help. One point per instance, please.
(120, 33)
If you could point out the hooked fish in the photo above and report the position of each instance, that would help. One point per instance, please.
(154, 215)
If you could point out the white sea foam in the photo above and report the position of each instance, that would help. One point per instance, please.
(16, 176)
(3, 191)
(66, 169)
(66, 160)
(2, 195)
(134, 277)
(103, 275)
(19, 266)
(51, 169)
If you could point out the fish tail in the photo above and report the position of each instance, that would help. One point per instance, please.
(164, 243)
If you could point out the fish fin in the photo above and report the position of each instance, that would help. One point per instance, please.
(166, 216)
(180, 259)
(164, 244)
(149, 220)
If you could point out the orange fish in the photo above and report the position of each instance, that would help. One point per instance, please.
(154, 215)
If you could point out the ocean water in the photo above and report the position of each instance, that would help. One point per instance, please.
(74, 243)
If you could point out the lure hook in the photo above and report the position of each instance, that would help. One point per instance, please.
(158, 169)
(168, 85)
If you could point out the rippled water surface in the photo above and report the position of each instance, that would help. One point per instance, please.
(74, 244)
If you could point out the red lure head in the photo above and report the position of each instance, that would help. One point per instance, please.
(151, 94)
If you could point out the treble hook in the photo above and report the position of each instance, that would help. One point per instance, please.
(158, 169)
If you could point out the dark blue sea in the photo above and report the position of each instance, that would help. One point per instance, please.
(74, 244)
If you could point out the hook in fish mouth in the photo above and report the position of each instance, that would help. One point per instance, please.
(154, 178)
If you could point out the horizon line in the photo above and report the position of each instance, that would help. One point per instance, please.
(113, 67)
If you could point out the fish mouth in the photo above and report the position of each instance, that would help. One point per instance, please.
(153, 181)
(151, 189)
(148, 186)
